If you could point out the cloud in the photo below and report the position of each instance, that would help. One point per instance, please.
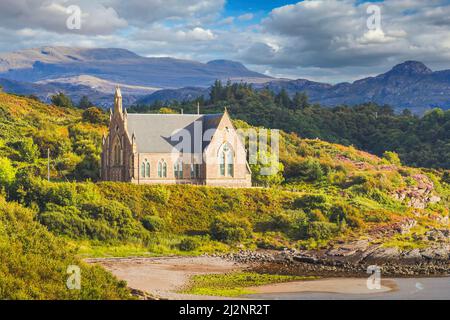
(333, 35)
(326, 40)
(145, 12)
(246, 17)
(52, 16)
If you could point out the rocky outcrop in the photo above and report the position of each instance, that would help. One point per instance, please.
(418, 196)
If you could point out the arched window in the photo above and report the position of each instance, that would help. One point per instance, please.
(117, 153)
(143, 169)
(178, 169)
(226, 160)
(147, 169)
(162, 169)
(230, 163)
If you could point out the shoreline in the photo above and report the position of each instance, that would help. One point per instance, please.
(164, 277)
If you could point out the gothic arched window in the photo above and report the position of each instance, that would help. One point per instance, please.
(143, 169)
(162, 169)
(178, 169)
(226, 160)
(147, 169)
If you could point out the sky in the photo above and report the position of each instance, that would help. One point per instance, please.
(323, 40)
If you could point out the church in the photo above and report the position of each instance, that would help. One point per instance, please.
(201, 149)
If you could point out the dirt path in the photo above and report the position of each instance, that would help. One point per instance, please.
(164, 276)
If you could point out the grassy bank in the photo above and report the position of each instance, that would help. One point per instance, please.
(234, 284)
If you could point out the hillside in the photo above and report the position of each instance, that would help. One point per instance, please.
(420, 141)
(34, 263)
(330, 192)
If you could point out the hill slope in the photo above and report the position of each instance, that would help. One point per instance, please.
(330, 192)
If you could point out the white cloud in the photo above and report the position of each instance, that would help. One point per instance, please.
(52, 16)
(246, 17)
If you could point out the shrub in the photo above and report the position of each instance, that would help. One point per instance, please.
(7, 173)
(189, 244)
(299, 225)
(319, 230)
(26, 150)
(158, 194)
(311, 201)
(230, 229)
(311, 170)
(94, 115)
(446, 177)
(278, 221)
(392, 157)
(153, 223)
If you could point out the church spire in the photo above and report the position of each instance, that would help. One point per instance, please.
(118, 101)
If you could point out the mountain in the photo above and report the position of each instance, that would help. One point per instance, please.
(409, 85)
(182, 94)
(95, 72)
(118, 66)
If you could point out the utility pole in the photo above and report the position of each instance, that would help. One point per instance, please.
(198, 107)
(48, 164)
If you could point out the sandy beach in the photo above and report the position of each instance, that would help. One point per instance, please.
(164, 276)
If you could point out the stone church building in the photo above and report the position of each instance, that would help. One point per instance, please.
(202, 149)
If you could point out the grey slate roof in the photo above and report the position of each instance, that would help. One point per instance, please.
(153, 132)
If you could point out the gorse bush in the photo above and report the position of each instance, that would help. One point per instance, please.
(153, 223)
(189, 244)
(230, 229)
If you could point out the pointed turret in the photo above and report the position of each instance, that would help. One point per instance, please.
(118, 101)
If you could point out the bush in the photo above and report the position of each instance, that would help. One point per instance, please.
(94, 115)
(311, 170)
(153, 223)
(446, 177)
(26, 150)
(319, 230)
(392, 158)
(311, 202)
(189, 244)
(7, 173)
(230, 229)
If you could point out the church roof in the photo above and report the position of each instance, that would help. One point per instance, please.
(154, 132)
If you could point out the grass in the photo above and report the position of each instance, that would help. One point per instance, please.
(234, 284)
(161, 244)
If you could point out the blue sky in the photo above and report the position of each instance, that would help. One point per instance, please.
(322, 40)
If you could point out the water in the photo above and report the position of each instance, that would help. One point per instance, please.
(407, 289)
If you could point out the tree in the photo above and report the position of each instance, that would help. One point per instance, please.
(85, 103)
(61, 100)
(300, 100)
(283, 99)
(94, 115)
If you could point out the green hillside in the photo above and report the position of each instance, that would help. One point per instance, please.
(326, 192)
(420, 141)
